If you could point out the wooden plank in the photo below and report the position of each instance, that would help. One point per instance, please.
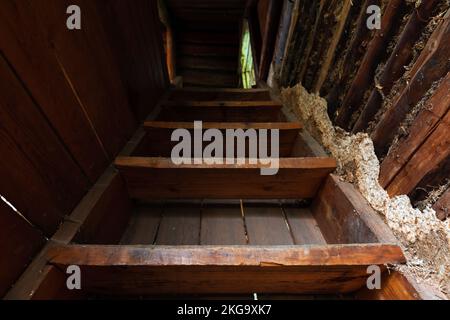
(135, 270)
(221, 113)
(158, 142)
(433, 151)
(331, 49)
(153, 178)
(19, 243)
(41, 281)
(219, 94)
(425, 123)
(143, 226)
(442, 206)
(371, 59)
(431, 66)
(344, 216)
(35, 64)
(180, 225)
(90, 66)
(208, 64)
(267, 225)
(271, 23)
(203, 50)
(222, 225)
(394, 67)
(208, 38)
(205, 78)
(39, 177)
(395, 286)
(303, 226)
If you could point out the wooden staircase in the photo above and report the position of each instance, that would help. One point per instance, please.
(225, 228)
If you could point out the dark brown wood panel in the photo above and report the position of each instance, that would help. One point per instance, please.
(34, 61)
(205, 78)
(303, 226)
(158, 142)
(144, 225)
(156, 178)
(222, 270)
(267, 225)
(219, 94)
(19, 242)
(180, 225)
(39, 176)
(344, 216)
(222, 225)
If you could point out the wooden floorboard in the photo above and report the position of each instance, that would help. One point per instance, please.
(266, 225)
(180, 225)
(143, 226)
(222, 225)
(304, 227)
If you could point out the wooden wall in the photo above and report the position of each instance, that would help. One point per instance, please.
(392, 83)
(69, 101)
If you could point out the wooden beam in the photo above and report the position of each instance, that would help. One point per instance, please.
(442, 206)
(370, 61)
(106, 202)
(425, 123)
(159, 178)
(434, 151)
(344, 216)
(331, 49)
(394, 67)
(431, 65)
(140, 270)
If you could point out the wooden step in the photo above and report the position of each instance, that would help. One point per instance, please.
(148, 270)
(160, 178)
(219, 94)
(220, 111)
(157, 142)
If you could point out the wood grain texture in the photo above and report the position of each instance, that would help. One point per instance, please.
(158, 141)
(19, 243)
(153, 178)
(187, 270)
(344, 216)
(143, 226)
(39, 177)
(423, 126)
(34, 61)
(180, 225)
(267, 225)
(431, 65)
(304, 228)
(222, 225)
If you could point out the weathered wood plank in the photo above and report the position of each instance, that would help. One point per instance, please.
(424, 124)
(158, 141)
(432, 152)
(218, 270)
(266, 225)
(222, 225)
(304, 227)
(180, 225)
(143, 226)
(19, 243)
(371, 59)
(152, 178)
(219, 94)
(432, 64)
(394, 67)
(344, 216)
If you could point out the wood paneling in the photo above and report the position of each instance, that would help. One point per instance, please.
(19, 242)
(39, 176)
(222, 225)
(158, 270)
(156, 178)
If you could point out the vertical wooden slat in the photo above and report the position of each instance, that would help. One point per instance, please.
(19, 242)
(38, 175)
